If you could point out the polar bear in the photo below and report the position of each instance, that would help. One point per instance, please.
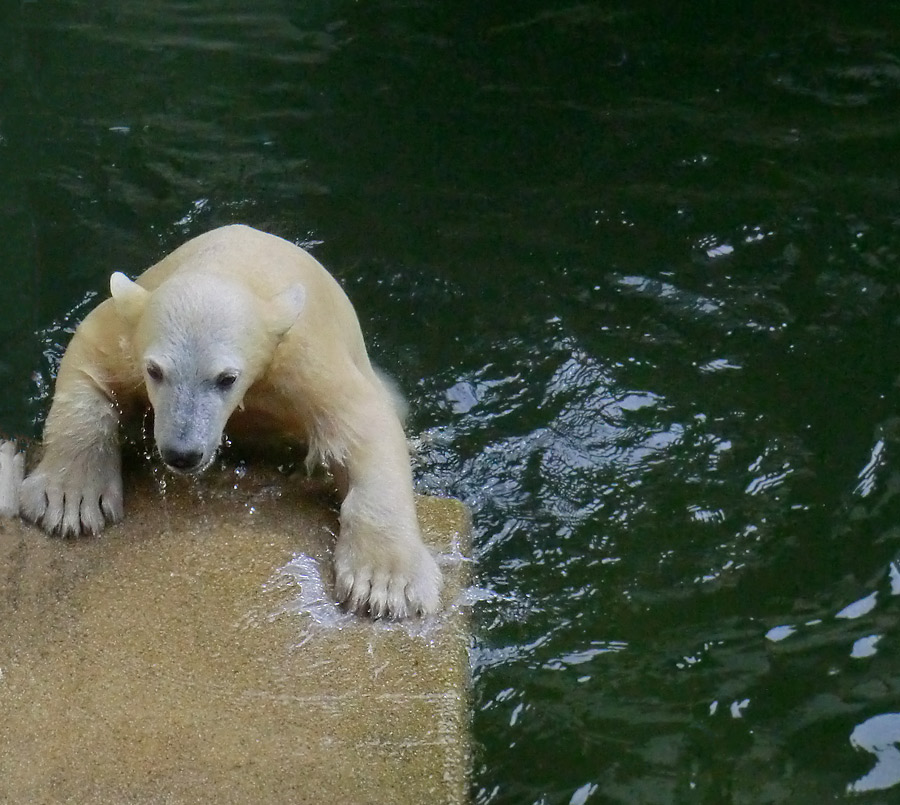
(241, 326)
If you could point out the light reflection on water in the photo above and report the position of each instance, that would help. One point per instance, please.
(878, 735)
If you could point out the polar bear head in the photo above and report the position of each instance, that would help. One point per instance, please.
(201, 341)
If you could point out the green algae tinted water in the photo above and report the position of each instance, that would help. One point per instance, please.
(636, 269)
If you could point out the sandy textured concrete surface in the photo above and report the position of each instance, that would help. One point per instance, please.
(192, 654)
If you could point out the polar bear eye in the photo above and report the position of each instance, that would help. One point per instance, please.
(226, 380)
(154, 371)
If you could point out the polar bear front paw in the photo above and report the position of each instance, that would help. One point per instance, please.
(12, 471)
(387, 581)
(70, 503)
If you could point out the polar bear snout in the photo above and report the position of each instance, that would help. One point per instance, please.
(182, 460)
(186, 452)
(186, 446)
(188, 421)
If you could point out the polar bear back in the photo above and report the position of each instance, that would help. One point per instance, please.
(269, 265)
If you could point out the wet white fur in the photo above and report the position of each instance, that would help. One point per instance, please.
(239, 302)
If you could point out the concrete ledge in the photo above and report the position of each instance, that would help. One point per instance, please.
(192, 655)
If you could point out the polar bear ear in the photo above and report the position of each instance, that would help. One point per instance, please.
(286, 307)
(128, 296)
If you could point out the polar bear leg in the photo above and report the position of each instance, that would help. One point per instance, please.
(12, 471)
(77, 487)
(71, 496)
(381, 564)
(381, 568)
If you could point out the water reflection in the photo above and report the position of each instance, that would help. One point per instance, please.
(867, 475)
(879, 736)
(859, 608)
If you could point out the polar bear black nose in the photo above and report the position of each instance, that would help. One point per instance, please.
(184, 460)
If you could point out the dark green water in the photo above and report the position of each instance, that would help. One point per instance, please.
(637, 271)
